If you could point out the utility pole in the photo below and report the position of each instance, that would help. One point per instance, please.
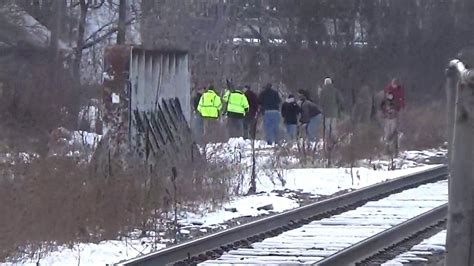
(460, 236)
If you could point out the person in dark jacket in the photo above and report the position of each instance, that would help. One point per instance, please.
(311, 116)
(290, 111)
(197, 97)
(198, 120)
(250, 121)
(390, 126)
(269, 101)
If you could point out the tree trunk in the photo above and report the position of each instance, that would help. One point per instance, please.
(121, 22)
(80, 40)
(54, 40)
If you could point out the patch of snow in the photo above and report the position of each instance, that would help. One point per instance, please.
(105, 252)
(324, 181)
(245, 206)
(83, 138)
(327, 181)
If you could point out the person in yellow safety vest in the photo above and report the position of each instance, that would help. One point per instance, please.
(237, 108)
(210, 104)
(209, 107)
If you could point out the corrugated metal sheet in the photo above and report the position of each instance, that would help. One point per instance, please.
(156, 76)
(137, 81)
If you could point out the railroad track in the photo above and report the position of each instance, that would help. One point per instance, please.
(428, 249)
(389, 243)
(290, 237)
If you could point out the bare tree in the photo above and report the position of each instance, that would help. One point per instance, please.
(84, 5)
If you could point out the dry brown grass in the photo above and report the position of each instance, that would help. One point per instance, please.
(54, 201)
(57, 201)
(362, 141)
(424, 126)
(420, 127)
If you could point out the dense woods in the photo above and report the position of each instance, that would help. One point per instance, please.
(298, 43)
(292, 43)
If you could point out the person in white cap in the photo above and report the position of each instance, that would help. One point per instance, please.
(330, 101)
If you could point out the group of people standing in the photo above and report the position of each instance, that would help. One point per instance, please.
(301, 115)
(239, 105)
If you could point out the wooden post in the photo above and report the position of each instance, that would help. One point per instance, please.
(460, 236)
(451, 83)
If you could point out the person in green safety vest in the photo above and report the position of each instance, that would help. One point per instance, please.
(209, 106)
(237, 107)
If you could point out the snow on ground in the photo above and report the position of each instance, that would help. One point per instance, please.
(104, 253)
(315, 181)
(327, 181)
(242, 207)
(269, 199)
(319, 181)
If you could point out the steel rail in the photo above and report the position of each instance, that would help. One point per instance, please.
(286, 219)
(373, 245)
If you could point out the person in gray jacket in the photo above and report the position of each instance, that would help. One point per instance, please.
(330, 100)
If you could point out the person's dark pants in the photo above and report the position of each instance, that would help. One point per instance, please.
(250, 127)
(198, 127)
(210, 125)
(235, 127)
(271, 123)
(291, 131)
(312, 128)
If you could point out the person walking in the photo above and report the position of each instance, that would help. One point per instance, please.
(311, 116)
(390, 126)
(392, 104)
(398, 94)
(209, 106)
(269, 101)
(290, 111)
(330, 100)
(250, 120)
(237, 106)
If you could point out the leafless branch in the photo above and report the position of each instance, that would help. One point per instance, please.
(99, 30)
(258, 34)
(104, 36)
(97, 6)
(75, 4)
